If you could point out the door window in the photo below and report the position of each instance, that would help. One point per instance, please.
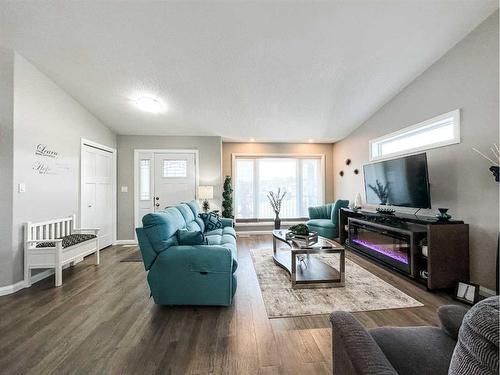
(174, 168)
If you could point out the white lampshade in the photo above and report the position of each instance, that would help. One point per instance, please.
(205, 192)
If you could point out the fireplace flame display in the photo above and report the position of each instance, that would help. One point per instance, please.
(387, 251)
(387, 246)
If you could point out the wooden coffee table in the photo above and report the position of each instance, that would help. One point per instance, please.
(305, 270)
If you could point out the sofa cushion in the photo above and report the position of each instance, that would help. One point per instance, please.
(450, 319)
(323, 223)
(478, 340)
(229, 230)
(186, 212)
(188, 237)
(160, 228)
(212, 220)
(215, 232)
(415, 350)
(70, 240)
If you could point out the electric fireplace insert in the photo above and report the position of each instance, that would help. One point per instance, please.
(390, 247)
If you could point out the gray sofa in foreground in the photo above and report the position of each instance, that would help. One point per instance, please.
(465, 343)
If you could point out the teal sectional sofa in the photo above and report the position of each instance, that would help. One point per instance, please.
(188, 275)
(324, 219)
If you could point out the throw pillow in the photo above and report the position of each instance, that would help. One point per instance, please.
(477, 347)
(212, 221)
(190, 238)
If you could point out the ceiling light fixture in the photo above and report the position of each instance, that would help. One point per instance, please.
(149, 104)
(252, 139)
(311, 140)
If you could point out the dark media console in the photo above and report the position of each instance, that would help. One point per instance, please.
(433, 252)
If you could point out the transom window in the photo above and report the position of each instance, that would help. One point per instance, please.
(439, 131)
(174, 168)
(301, 177)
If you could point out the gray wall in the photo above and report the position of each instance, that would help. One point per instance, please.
(210, 170)
(466, 78)
(6, 163)
(45, 114)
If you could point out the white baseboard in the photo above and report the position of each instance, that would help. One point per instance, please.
(9, 289)
(125, 242)
(248, 233)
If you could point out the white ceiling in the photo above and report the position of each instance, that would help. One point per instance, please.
(274, 71)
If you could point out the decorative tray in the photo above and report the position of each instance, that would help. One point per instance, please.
(307, 240)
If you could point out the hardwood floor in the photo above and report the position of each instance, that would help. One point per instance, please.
(102, 321)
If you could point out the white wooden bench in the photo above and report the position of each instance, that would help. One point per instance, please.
(55, 256)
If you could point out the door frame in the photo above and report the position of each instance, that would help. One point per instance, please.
(87, 142)
(161, 151)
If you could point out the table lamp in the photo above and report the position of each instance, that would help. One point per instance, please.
(205, 193)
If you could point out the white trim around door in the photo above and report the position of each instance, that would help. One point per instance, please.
(160, 151)
(86, 142)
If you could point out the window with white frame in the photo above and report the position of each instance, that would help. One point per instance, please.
(439, 131)
(145, 179)
(254, 176)
(174, 168)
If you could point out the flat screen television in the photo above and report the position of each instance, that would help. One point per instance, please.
(398, 182)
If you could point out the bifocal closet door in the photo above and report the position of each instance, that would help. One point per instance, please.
(97, 192)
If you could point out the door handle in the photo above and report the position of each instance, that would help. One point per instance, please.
(157, 205)
(157, 198)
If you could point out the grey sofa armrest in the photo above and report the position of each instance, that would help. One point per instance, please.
(354, 350)
(450, 319)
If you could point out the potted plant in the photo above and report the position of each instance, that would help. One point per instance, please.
(227, 195)
(276, 199)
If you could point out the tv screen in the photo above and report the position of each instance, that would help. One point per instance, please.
(398, 182)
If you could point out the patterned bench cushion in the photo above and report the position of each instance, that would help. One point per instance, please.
(70, 240)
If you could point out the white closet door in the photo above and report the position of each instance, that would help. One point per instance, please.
(97, 192)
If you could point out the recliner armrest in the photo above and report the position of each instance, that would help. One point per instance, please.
(199, 258)
(355, 352)
(227, 222)
(450, 319)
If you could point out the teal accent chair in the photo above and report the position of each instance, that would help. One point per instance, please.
(188, 275)
(324, 219)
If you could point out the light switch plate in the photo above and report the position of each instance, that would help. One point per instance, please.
(124, 189)
(21, 188)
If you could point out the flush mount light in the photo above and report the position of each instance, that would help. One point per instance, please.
(311, 140)
(149, 104)
(252, 139)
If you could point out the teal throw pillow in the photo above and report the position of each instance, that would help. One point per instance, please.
(190, 238)
(212, 221)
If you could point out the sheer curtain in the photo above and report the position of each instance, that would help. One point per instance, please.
(302, 179)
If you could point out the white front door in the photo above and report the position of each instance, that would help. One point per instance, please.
(163, 179)
(174, 179)
(97, 192)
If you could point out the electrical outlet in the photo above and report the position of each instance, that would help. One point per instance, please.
(21, 188)
(124, 189)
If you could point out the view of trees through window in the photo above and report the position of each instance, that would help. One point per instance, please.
(301, 178)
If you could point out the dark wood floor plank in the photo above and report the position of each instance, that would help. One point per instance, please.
(103, 321)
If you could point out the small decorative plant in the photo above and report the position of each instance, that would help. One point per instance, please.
(205, 206)
(276, 199)
(300, 229)
(381, 191)
(494, 168)
(227, 196)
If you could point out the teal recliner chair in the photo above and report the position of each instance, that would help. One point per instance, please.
(188, 275)
(324, 219)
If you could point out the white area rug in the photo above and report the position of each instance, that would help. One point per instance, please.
(363, 291)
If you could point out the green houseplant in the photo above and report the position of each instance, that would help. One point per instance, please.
(227, 198)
